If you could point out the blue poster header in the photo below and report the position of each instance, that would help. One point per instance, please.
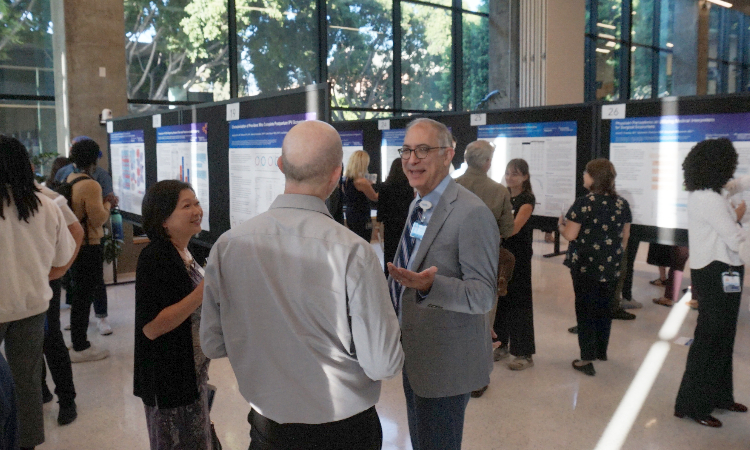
(193, 132)
(735, 127)
(393, 138)
(528, 130)
(351, 138)
(264, 132)
(126, 137)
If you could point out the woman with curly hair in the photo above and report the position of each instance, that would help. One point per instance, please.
(717, 274)
(598, 227)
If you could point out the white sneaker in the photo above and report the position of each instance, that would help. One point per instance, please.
(90, 354)
(630, 304)
(104, 328)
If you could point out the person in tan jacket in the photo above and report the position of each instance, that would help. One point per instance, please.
(87, 271)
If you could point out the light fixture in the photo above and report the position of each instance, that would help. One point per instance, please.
(602, 50)
(606, 25)
(670, 45)
(610, 44)
(721, 3)
(606, 36)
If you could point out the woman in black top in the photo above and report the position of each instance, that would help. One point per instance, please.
(170, 370)
(393, 208)
(515, 308)
(357, 193)
(598, 227)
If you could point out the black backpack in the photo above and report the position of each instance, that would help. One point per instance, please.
(66, 190)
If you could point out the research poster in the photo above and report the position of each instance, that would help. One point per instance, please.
(128, 169)
(550, 150)
(182, 154)
(648, 152)
(254, 176)
(351, 141)
(391, 142)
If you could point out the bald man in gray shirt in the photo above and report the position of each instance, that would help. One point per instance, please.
(299, 305)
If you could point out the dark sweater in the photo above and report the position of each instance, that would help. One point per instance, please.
(164, 369)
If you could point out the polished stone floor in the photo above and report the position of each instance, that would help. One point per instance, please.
(549, 406)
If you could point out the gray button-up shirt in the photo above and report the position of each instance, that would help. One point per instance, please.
(300, 306)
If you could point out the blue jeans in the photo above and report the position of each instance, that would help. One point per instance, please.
(435, 423)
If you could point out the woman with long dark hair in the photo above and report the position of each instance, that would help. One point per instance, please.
(515, 312)
(170, 369)
(393, 208)
(35, 245)
(598, 227)
(717, 274)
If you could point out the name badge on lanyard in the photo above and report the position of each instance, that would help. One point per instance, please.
(731, 282)
(418, 229)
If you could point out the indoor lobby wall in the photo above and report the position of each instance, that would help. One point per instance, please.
(566, 29)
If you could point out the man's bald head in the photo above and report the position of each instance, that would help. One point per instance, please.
(311, 152)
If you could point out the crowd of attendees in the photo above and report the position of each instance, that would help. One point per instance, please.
(458, 259)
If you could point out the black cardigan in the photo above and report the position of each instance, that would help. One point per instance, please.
(164, 369)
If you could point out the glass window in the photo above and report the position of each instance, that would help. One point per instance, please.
(713, 78)
(665, 74)
(607, 70)
(360, 55)
(713, 32)
(732, 23)
(437, 2)
(734, 79)
(277, 46)
(32, 123)
(137, 108)
(476, 63)
(609, 19)
(26, 65)
(643, 22)
(476, 5)
(666, 25)
(360, 115)
(640, 72)
(174, 53)
(426, 57)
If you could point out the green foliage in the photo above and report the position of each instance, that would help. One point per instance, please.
(41, 162)
(476, 47)
(22, 22)
(111, 248)
(175, 45)
(360, 56)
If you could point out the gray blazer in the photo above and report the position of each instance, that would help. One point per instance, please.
(446, 336)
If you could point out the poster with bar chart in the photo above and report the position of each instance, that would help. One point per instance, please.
(182, 154)
(254, 176)
(128, 169)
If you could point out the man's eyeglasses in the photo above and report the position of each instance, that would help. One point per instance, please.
(421, 151)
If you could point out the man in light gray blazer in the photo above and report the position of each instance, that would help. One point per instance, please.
(443, 283)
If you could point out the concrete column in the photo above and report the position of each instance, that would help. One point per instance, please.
(566, 30)
(92, 71)
(504, 39)
(685, 51)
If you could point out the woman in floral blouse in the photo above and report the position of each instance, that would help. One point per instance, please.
(597, 226)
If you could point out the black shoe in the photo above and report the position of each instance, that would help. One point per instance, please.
(46, 395)
(479, 392)
(621, 314)
(573, 330)
(588, 369)
(67, 414)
